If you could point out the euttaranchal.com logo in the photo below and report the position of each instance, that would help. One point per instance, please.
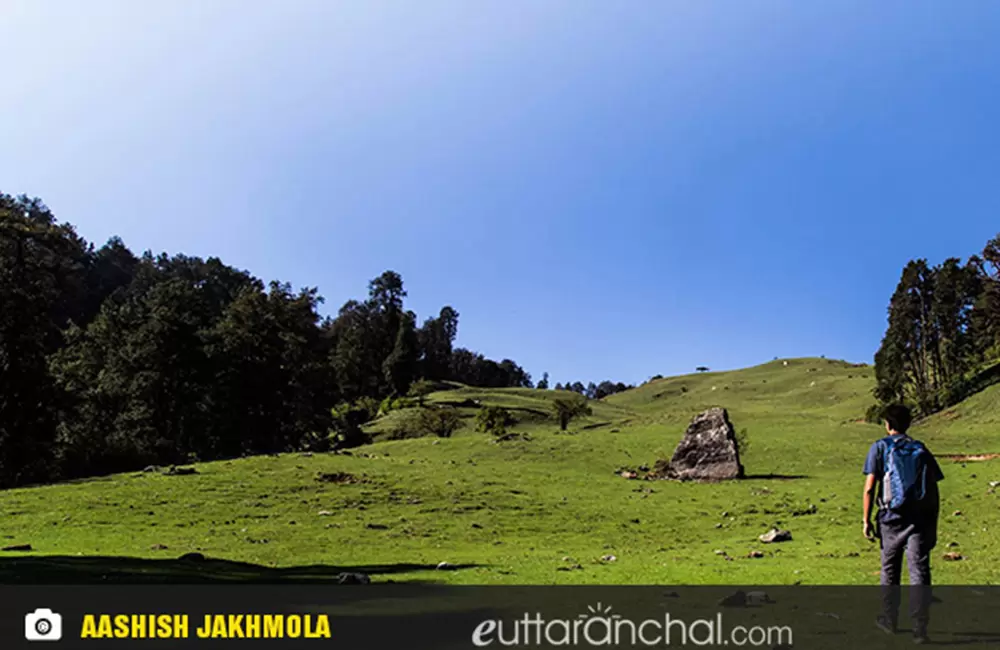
(599, 627)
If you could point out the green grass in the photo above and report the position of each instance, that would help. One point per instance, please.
(511, 512)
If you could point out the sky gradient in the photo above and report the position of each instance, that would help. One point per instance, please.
(603, 190)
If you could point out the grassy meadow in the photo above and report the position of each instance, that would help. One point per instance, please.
(546, 510)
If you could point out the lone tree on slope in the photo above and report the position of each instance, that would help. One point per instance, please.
(566, 409)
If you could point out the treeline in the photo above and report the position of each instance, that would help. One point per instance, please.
(591, 390)
(111, 361)
(943, 337)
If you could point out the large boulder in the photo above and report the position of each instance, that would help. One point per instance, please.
(707, 452)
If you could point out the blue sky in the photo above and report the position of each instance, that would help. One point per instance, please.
(602, 189)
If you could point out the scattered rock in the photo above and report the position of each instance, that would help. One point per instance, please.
(446, 566)
(609, 558)
(353, 579)
(953, 556)
(719, 551)
(378, 527)
(775, 535)
(718, 525)
(952, 544)
(158, 547)
(324, 513)
(192, 557)
(572, 567)
(181, 471)
(18, 547)
(957, 513)
(994, 484)
(707, 452)
(475, 525)
(629, 475)
(755, 554)
(643, 468)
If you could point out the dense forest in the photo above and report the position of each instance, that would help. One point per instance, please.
(111, 361)
(942, 342)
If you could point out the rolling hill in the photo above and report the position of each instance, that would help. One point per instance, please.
(546, 510)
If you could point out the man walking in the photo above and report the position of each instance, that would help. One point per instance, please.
(901, 478)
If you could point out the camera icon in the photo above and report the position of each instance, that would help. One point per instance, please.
(43, 625)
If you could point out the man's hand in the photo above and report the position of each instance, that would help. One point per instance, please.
(869, 531)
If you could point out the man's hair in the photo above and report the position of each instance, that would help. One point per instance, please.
(898, 417)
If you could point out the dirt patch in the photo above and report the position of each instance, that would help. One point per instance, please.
(340, 478)
(965, 458)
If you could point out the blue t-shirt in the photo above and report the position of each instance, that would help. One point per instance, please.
(875, 464)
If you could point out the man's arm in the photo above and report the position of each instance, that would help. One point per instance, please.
(871, 484)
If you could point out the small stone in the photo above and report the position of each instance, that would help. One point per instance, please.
(446, 566)
(376, 526)
(718, 525)
(158, 547)
(719, 551)
(775, 535)
(609, 558)
(953, 557)
(957, 513)
(952, 544)
(324, 513)
(756, 554)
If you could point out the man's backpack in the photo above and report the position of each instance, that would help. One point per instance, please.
(906, 466)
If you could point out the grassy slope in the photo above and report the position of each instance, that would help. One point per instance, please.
(516, 510)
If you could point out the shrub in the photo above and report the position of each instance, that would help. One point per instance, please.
(390, 404)
(421, 389)
(348, 419)
(493, 420)
(440, 422)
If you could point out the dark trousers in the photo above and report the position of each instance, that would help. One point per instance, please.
(916, 543)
